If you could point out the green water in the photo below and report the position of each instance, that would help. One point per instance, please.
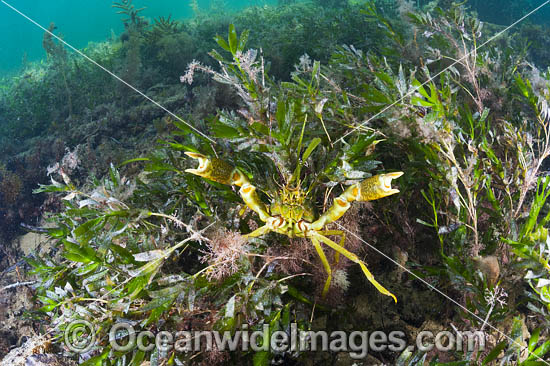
(81, 22)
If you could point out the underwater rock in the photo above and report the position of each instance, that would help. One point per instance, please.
(31, 354)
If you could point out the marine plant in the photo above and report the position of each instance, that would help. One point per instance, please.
(135, 26)
(11, 187)
(486, 185)
(291, 211)
(57, 54)
(163, 45)
(133, 20)
(288, 134)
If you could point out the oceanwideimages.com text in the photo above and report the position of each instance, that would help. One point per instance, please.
(123, 337)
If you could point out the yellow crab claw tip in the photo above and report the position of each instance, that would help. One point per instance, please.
(388, 177)
(195, 155)
(395, 175)
(204, 163)
(386, 182)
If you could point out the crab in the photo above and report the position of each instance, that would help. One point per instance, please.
(291, 213)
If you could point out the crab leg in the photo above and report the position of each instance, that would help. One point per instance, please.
(352, 257)
(370, 189)
(324, 260)
(342, 242)
(258, 232)
(220, 171)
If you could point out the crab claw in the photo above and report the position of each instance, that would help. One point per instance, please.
(378, 186)
(214, 169)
